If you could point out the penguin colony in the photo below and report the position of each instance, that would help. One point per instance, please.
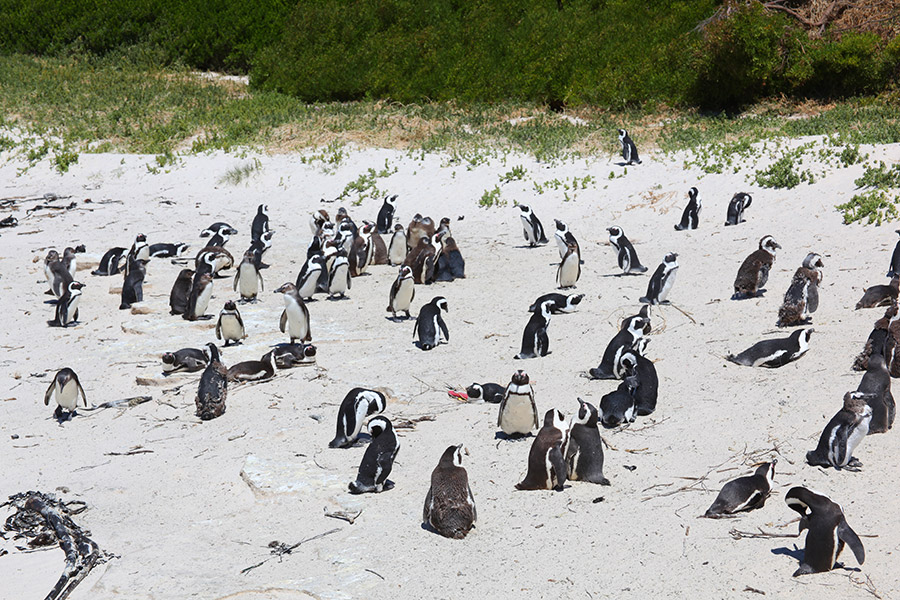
(564, 448)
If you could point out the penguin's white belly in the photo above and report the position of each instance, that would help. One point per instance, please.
(248, 283)
(667, 284)
(308, 285)
(403, 299)
(370, 252)
(67, 397)
(72, 267)
(397, 251)
(517, 417)
(437, 332)
(297, 326)
(73, 308)
(853, 440)
(203, 301)
(527, 230)
(143, 253)
(568, 273)
(338, 281)
(563, 248)
(231, 328)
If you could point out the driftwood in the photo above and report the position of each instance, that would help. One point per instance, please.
(813, 15)
(43, 520)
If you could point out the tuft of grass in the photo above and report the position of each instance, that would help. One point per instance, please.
(238, 174)
(516, 174)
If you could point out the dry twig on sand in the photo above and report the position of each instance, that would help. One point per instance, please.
(279, 549)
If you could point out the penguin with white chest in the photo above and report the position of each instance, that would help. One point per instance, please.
(253, 370)
(358, 405)
(218, 234)
(66, 388)
(531, 226)
(110, 262)
(736, 207)
(449, 505)
(561, 302)
(828, 531)
(626, 256)
(188, 360)
(486, 392)
(584, 452)
(339, 278)
(292, 355)
(569, 271)
(518, 414)
(754, 271)
(535, 341)
(876, 385)
(260, 223)
(397, 248)
(248, 278)
(70, 261)
(546, 460)
(640, 373)
(843, 434)
(198, 299)
(690, 218)
(775, 353)
(403, 292)
(386, 214)
(57, 274)
(295, 316)
(564, 239)
(378, 460)
(166, 250)
(259, 248)
(744, 493)
(230, 326)
(662, 281)
(430, 325)
(633, 328)
(309, 276)
(67, 305)
(629, 150)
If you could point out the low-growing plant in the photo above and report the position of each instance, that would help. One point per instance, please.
(874, 206)
(880, 177)
(491, 198)
(236, 175)
(516, 174)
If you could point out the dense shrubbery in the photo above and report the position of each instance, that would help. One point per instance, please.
(605, 52)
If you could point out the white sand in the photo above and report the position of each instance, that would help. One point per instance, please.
(184, 523)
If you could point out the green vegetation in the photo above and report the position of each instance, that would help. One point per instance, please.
(236, 175)
(875, 203)
(491, 198)
(365, 186)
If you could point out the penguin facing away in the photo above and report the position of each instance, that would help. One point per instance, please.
(378, 459)
(133, 285)
(744, 493)
(386, 214)
(894, 269)
(518, 414)
(828, 531)
(430, 325)
(449, 505)
(736, 207)
(258, 249)
(531, 226)
(882, 340)
(450, 263)
(358, 405)
(626, 257)
(629, 150)
(66, 388)
(535, 341)
(776, 352)
(640, 373)
(633, 328)
(618, 406)
(876, 385)
(213, 389)
(690, 218)
(802, 297)
(260, 223)
(546, 460)
(754, 271)
(67, 305)
(842, 434)
(661, 282)
(110, 262)
(584, 452)
(397, 249)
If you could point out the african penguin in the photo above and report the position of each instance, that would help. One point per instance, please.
(546, 460)
(842, 434)
(70, 261)
(690, 218)
(109, 263)
(518, 414)
(450, 263)
(535, 341)
(662, 280)
(880, 295)
(198, 299)
(564, 239)
(258, 249)
(640, 373)
(358, 405)
(67, 305)
(386, 214)
(569, 271)
(253, 370)
(531, 226)
(308, 279)
(584, 452)
(379, 253)
(754, 271)
(776, 352)
(292, 355)
(561, 302)
(339, 278)
(894, 269)
(218, 234)
(188, 360)
(295, 316)
(626, 256)
(213, 260)
(247, 278)
(629, 150)
(317, 219)
(418, 228)
(430, 324)
(213, 389)
(260, 223)
(736, 207)
(167, 250)
(230, 326)
(66, 388)
(802, 297)
(59, 275)
(133, 284)
(633, 328)
(397, 248)
(876, 384)
(882, 340)
(378, 459)
(421, 259)
(140, 250)
(744, 493)
(449, 505)
(828, 531)
(403, 292)
(618, 407)
(486, 392)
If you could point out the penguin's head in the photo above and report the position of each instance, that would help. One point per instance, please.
(309, 351)
(341, 214)
(398, 227)
(263, 209)
(813, 261)
(555, 418)
(441, 303)
(769, 244)
(671, 259)
(267, 238)
(622, 134)
(213, 352)
(526, 210)
(378, 425)
(856, 402)
(458, 452)
(575, 300)
(692, 193)
(475, 392)
(560, 226)
(546, 308)
(405, 272)
(520, 378)
(181, 248)
(767, 470)
(626, 364)
(75, 288)
(52, 256)
(287, 288)
(586, 413)
(141, 238)
(168, 358)
(230, 306)
(614, 231)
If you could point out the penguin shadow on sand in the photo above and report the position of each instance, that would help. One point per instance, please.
(745, 296)
(798, 554)
(512, 437)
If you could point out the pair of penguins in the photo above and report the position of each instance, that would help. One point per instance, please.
(60, 273)
(690, 218)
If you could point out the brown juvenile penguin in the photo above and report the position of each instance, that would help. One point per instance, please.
(876, 385)
(213, 390)
(546, 459)
(181, 290)
(880, 295)
(418, 228)
(379, 252)
(882, 340)
(802, 297)
(754, 272)
(450, 263)
(449, 504)
(422, 260)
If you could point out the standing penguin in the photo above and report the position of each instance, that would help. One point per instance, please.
(317, 219)
(133, 285)
(776, 352)
(629, 150)
(378, 459)
(662, 281)
(744, 493)
(70, 261)
(518, 414)
(828, 531)
(876, 385)
(802, 297)
(358, 405)
(140, 250)
(230, 326)
(386, 214)
(449, 504)
(690, 218)
(260, 223)
(626, 257)
(67, 305)
(430, 324)
(894, 268)
(569, 271)
(546, 459)
(450, 264)
(308, 279)
(418, 228)
(213, 390)
(295, 316)
(57, 274)
(736, 207)
(339, 277)
(564, 239)
(258, 249)
(422, 260)
(754, 271)
(403, 292)
(633, 328)
(198, 299)
(842, 434)
(535, 342)
(248, 278)
(531, 226)
(882, 340)
(397, 248)
(584, 453)
(379, 251)
(66, 387)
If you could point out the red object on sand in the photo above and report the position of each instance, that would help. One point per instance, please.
(459, 395)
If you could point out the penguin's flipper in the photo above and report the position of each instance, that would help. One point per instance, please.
(443, 327)
(49, 392)
(237, 276)
(219, 328)
(849, 537)
(283, 324)
(84, 399)
(259, 276)
(559, 465)
(415, 327)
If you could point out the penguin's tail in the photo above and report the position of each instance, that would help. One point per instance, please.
(644, 300)
(640, 269)
(679, 227)
(358, 488)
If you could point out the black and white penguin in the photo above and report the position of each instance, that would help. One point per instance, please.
(629, 150)
(295, 316)
(626, 256)
(359, 255)
(213, 389)
(397, 249)
(378, 459)
(531, 226)
(253, 370)
(569, 271)
(518, 414)
(618, 407)
(633, 328)
(690, 218)
(248, 279)
(564, 239)
(640, 373)
(403, 292)
(358, 405)
(662, 280)
(188, 360)
(894, 268)
(802, 297)
(880, 295)
(430, 324)
(258, 249)
(842, 434)
(110, 263)
(584, 452)
(133, 284)
(736, 207)
(140, 250)
(535, 341)
(339, 278)
(163, 250)
(450, 263)
(230, 326)
(260, 223)
(379, 253)
(386, 214)
(775, 353)
(70, 261)
(49, 261)
(754, 271)
(213, 260)
(561, 302)
(218, 234)
(198, 299)
(744, 493)
(308, 278)
(66, 388)
(876, 385)
(67, 305)
(828, 531)
(486, 392)
(449, 505)
(547, 458)
(317, 219)
(421, 259)
(329, 255)
(292, 355)
(444, 228)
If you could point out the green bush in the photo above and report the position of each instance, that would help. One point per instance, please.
(850, 66)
